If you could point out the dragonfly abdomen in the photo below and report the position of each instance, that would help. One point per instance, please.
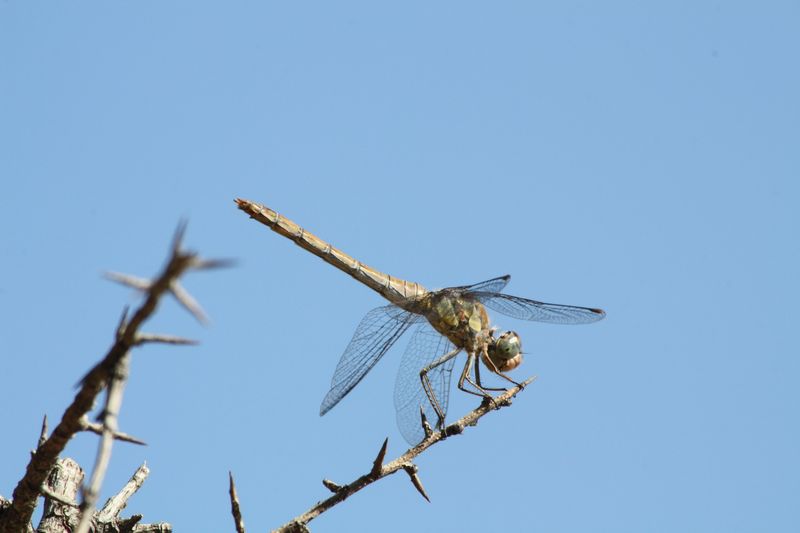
(393, 289)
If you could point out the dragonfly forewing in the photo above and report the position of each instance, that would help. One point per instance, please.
(525, 309)
(376, 333)
(488, 286)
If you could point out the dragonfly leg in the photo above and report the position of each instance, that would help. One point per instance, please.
(480, 391)
(428, 388)
(465, 377)
(494, 369)
(478, 378)
(516, 384)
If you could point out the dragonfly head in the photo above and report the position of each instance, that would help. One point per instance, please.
(504, 352)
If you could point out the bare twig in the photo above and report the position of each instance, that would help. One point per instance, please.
(91, 492)
(404, 462)
(17, 516)
(235, 508)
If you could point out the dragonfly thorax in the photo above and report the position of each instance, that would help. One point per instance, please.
(504, 353)
(462, 320)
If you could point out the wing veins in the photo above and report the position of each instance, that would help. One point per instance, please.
(526, 309)
(374, 336)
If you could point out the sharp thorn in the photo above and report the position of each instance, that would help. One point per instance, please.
(134, 282)
(411, 470)
(123, 321)
(177, 239)
(142, 338)
(331, 486)
(43, 434)
(426, 427)
(377, 465)
(189, 303)
(208, 264)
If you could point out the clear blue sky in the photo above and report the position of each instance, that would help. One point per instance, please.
(640, 158)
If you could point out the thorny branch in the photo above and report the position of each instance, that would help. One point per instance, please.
(379, 470)
(109, 373)
(110, 413)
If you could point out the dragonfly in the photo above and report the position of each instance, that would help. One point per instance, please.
(445, 323)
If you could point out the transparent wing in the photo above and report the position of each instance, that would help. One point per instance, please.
(490, 285)
(525, 309)
(376, 333)
(425, 347)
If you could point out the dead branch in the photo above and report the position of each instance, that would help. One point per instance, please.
(61, 513)
(110, 372)
(110, 414)
(379, 471)
(117, 503)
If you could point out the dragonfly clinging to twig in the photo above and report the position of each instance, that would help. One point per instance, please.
(448, 321)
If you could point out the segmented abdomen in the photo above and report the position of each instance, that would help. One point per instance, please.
(393, 289)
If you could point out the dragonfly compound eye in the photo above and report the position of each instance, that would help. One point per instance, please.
(505, 353)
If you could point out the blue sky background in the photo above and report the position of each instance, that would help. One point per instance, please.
(638, 157)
